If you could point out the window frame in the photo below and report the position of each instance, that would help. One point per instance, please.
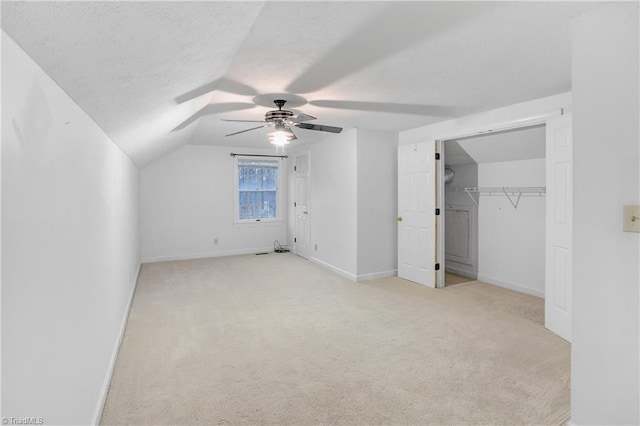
(236, 192)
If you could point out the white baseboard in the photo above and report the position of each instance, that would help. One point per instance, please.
(205, 255)
(511, 286)
(374, 275)
(335, 269)
(353, 277)
(462, 272)
(114, 355)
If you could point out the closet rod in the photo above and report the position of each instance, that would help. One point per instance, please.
(500, 190)
(508, 191)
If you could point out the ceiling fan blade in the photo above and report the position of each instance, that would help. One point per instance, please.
(293, 133)
(302, 117)
(389, 107)
(214, 109)
(244, 121)
(247, 130)
(319, 127)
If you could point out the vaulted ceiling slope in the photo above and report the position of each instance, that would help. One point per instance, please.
(156, 75)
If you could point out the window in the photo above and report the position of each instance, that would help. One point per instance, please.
(257, 182)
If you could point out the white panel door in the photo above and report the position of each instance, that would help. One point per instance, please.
(559, 225)
(416, 213)
(301, 238)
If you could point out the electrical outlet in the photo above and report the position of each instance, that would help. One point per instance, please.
(631, 219)
(215, 241)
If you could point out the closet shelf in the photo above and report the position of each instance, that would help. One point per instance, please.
(510, 192)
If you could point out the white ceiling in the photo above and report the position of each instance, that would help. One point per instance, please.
(137, 67)
(521, 144)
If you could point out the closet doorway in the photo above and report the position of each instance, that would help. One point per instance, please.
(422, 226)
(507, 201)
(494, 209)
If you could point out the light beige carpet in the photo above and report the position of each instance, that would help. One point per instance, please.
(275, 339)
(495, 298)
(451, 279)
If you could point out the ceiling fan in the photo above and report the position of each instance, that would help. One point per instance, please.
(282, 122)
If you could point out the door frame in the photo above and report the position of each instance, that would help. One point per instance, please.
(530, 121)
(440, 205)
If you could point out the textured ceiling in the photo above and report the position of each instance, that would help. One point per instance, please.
(156, 75)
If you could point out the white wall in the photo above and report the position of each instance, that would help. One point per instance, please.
(70, 248)
(187, 201)
(352, 202)
(604, 374)
(466, 175)
(333, 202)
(511, 248)
(377, 203)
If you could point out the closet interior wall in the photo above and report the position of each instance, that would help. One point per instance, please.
(505, 243)
(461, 223)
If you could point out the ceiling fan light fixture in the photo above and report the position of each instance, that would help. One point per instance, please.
(281, 135)
(279, 138)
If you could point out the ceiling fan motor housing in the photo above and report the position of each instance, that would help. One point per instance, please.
(278, 114)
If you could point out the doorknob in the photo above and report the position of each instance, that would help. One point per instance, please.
(399, 219)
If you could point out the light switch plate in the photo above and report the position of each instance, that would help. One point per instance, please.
(631, 219)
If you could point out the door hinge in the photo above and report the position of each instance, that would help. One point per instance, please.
(295, 240)
(437, 266)
(437, 212)
(437, 155)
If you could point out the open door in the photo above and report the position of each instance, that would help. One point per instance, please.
(558, 274)
(416, 213)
